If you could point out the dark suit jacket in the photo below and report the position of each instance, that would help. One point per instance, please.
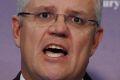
(86, 77)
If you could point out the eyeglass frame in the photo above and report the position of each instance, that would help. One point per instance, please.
(85, 21)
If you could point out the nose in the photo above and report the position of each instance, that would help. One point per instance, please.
(59, 28)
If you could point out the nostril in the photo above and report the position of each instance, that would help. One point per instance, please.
(59, 34)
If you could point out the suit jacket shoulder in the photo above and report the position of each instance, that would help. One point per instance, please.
(87, 77)
(17, 77)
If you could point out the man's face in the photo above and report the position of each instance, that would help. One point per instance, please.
(57, 51)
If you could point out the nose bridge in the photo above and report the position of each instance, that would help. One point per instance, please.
(59, 27)
(60, 19)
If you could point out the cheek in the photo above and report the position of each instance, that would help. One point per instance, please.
(30, 39)
(82, 44)
(31, 35)
(83, 41)
(81, 47)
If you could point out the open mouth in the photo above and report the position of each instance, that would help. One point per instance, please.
(55, 51)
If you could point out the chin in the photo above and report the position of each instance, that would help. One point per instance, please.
(54, 75)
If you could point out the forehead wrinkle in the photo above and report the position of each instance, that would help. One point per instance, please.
(35, 5)
(85, 7)
(82, 10)
(44, 8)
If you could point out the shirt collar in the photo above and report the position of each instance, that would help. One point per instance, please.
(21, 77)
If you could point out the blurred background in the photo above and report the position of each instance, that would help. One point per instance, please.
(104, 65)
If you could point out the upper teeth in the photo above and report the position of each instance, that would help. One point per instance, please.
(55, 47)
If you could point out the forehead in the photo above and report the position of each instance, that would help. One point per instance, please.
(61, 5)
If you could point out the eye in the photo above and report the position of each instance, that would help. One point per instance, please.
(77, 20)
(44, 15)
(93, 22)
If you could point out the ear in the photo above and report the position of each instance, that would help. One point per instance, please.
(97, 38)
(16, 30)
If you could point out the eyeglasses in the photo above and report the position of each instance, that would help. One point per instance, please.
(48, 19)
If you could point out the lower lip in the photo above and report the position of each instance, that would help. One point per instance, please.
(55, 59)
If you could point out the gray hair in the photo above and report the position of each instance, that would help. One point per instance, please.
(21, 5)
(98, 7)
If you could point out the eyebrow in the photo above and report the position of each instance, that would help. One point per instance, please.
(45, 8)
(75, 12)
